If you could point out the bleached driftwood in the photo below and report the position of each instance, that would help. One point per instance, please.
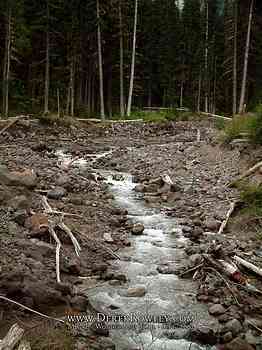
(58, 247)
(12, 338)
(95, 120)
(246, 173)
(198, 135)
(248, 265)
(229, 213)
(67, 230)
(24, 345)
(29, 309)
(215, 116)
(49, 210)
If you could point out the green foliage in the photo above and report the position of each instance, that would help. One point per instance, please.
(238, 125)
(251, 197)
(220, 124)
(53, 119)
(248, 124)
(256, 126)
(170, 114)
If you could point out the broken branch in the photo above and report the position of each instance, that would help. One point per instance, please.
(246, 173)
(72, 237)
(229, 213)
(248, 265)
(13, 336)
(58, 247)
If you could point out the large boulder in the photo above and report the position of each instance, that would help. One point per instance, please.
(26, 178)
(138, 229)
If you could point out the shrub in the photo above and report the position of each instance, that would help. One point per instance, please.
(251, 196)
(256, 126)
(239, 124)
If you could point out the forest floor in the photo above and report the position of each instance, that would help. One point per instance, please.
(200, 171)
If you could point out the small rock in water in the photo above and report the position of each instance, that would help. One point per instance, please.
(56, 193)
(136, 292)
(118, 177)
(138, 229)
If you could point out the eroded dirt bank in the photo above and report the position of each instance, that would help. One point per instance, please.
(199, 200)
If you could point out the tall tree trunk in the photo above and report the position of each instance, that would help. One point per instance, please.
(6, 72)
(244, 79)
(181, 93)
(206, 58)
(47, 63)
(100, 62)
(122, 106)
(199, 91)
(130, 95)
(235, 58)
(214, 88)
(149, 98)
(72, 88)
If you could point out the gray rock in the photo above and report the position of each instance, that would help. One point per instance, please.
(99, 267)
(139, 291)
(20, 217)
(233, 326)
(227, 337)
(238, 344)
(217, 309)
(138, 229)
(212, 224)
(56, 193)
(108, 238)
(62, 180)
(204, 335)
(20, 202)
(139, 188)
(26, 178)
(195, 259)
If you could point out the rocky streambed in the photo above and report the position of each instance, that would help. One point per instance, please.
(139, 235)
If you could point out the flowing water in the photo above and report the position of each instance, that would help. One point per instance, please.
(167, 295)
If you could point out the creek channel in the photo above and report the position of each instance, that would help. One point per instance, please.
(164, 316)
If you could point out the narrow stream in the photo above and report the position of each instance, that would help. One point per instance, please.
(166, 296)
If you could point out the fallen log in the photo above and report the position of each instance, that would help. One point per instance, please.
(248, 265)
(12, 338)
(95, 120)
(229, 213)
(246, 173)
(12, 122)
(215, 116)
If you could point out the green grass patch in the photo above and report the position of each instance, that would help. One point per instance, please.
(171, 114)
(247, 125)
(237, 127)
